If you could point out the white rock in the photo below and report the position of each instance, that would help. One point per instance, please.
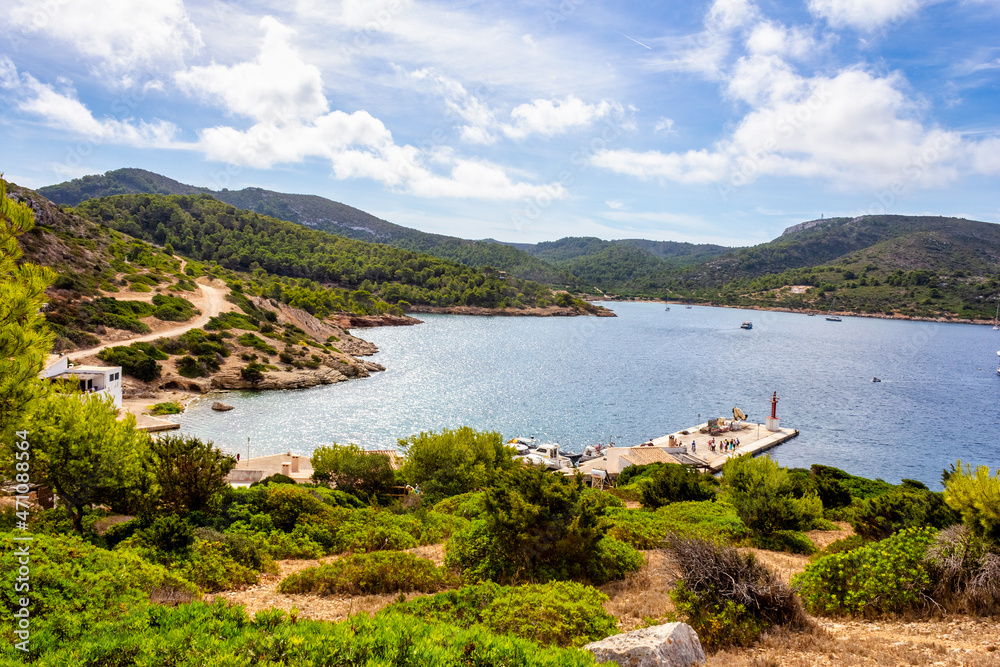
(670, 645)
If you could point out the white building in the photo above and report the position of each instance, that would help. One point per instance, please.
(104, 380)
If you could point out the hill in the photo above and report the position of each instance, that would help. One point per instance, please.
(317, 213)
(914, 266)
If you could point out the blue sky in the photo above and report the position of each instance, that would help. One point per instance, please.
(720, 122)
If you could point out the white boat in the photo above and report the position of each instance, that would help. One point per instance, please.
(746, 325)
(522, 446)
(548, 455)
(998, 365)
(996, 320)
(668, 307)
(830, 317)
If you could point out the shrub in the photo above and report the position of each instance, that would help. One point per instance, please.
(562, 613)
(213, 567)
(641, 529)
(286, 504)
(133, 360)
(276, 478)
(707, 520)
(352, 469)
(173, 308)
(368, 574)
(792, 541)
(976, 496)
(224, 634)
(906, 506)
(727, 596)
(189, 472)
(253, 373)
(169, 534)
(966, 571)
(169, 408)
(673, 483)
(884, 577)
(454, 462)
(612, 560)
(601, 501)
(250, 340)
(762, 493)
(535, 526)
(467, 505)
(830, 486)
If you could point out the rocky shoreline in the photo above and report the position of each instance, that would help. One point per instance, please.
(548, 311)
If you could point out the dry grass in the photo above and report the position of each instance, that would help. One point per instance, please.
(824, 538)
(642, 595)
(966, 641)
(432, 552)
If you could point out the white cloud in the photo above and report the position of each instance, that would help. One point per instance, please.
(863, 15)
(126, 38)
(705, 53)
(552, 117)
(768, 38)
(276, 85)
(692, 167)
(615, 204)
(730, 14)
(664, 126)
(62, 110)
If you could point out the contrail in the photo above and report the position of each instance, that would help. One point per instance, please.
(634, 40)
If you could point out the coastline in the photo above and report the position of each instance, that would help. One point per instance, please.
(843, 313)
(547, 311)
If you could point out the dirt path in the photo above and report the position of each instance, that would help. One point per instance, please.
(212, 303)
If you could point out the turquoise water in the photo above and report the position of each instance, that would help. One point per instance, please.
(649, 372)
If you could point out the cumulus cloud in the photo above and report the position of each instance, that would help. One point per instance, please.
(552, 117)
(864, 15)
(277, 84)
(62, 110)
(123, 38)
(284, 97)
(769, 38)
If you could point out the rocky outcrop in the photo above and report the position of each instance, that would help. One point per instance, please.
(670, 645)
(296, 379)
(349, 321)
(548, 311)
(316, 328)
(219, 406)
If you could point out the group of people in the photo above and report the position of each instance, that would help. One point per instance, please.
(727, 445)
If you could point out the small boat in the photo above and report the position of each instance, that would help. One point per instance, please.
(875, 379)
(746, 325)
(830, 317)
(998, 366)
(522, 446)
(668, 308)
(688, 307)
(996, 320)
(548, 455)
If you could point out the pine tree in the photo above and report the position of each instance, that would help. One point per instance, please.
(24, 340)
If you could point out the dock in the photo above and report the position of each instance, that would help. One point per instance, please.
(754, 439)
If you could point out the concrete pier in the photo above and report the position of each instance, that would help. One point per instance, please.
(754, 439)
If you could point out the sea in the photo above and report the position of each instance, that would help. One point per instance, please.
(648, 372)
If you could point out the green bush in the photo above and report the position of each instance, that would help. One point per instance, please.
(728, 596)
(352, 469)
(276, 478)
(792, 541)
(466, 505)
(250, 340)
(905, 506)
(673, 483)
(454, 462)
(707, 520)
(762, 493)
(560, 613)
(976, 496)
(169, 408)
(536, 527)
(134, 361)
(219, 634)
(173, 308)
(368, 574)
(642, 529)
(884, 577)
(612, 560)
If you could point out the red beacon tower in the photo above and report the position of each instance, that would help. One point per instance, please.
(773, 423)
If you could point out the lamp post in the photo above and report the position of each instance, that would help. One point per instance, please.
(248, 450)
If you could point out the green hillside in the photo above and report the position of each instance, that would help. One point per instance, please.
(317, 213)
(203, 228)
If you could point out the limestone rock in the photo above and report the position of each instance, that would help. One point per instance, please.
(219, 406)
(670, 645)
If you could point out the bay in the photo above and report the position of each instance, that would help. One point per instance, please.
(649, 372)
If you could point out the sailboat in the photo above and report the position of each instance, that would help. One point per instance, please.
(996, 320)
(830, 316)
(998, 365)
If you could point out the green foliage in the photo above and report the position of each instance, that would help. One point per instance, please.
(352, 469)
(707, 520)
(454, 462)
(612, 560)
(75, 587)
(467, 505)
(276, 478)
(135, 361)
(535, 527)
(170, 534)
(169, 408)
(904, 507)
(189, 472)
(792, 541)
(368, 574)
(24, 339)
(642, 529)
(110, 312)
(173, 308)
(763, 494)
(830, 486)
(251, 340)
(885, 577)
(86, 455)
(976, 496)
(200, 634)
(673, 483)
(728, 596)
(253, 373)
(561, 613)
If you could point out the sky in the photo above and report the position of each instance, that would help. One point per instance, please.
(720, 121)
